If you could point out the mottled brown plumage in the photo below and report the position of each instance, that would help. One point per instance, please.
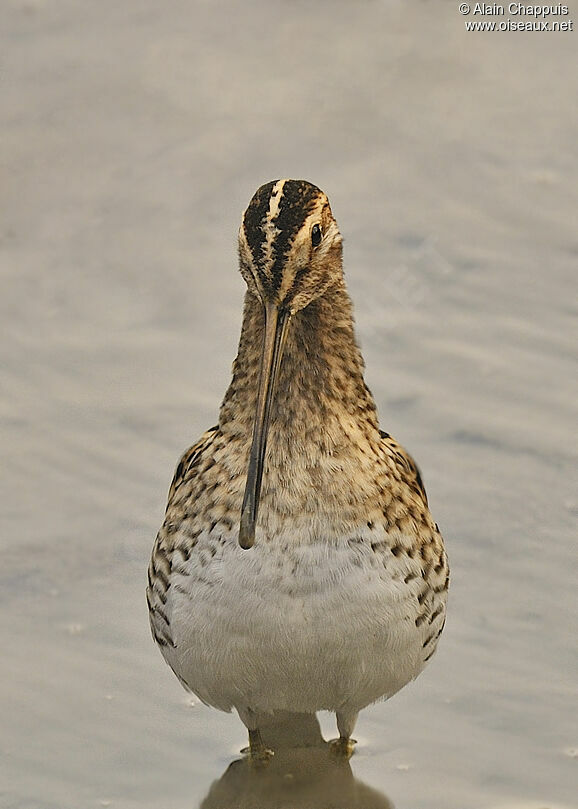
(340, 598)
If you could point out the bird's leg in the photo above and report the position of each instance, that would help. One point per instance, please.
(344, 745)
(257, 752)
(259, 755)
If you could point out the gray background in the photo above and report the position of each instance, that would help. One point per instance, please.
(132, 137)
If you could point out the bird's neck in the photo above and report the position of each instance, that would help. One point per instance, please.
(321, 401)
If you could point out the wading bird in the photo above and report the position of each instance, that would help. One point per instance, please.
(298, 567)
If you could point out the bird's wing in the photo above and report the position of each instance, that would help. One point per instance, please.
(406, 464)
(161, 563)
(188, 462)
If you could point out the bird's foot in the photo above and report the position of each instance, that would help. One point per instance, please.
(342, 747)
(257, 753)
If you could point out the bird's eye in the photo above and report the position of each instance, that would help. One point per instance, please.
(316, 235)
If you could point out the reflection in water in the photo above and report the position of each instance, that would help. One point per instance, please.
(301, 775)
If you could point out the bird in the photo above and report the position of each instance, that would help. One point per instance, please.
(298, 567)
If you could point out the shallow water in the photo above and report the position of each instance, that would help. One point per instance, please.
(133, 135)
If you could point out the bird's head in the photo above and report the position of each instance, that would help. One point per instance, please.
(289, 255)
(289, 244)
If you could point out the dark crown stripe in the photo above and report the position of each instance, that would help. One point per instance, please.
(298, 201)
(255, 216)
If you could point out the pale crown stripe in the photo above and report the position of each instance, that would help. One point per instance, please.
(270, 230)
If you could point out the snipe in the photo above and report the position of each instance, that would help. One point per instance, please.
(298, 567)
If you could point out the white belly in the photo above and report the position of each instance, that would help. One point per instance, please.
(293, 627)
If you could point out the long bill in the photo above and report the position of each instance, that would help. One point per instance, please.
(276, 322)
